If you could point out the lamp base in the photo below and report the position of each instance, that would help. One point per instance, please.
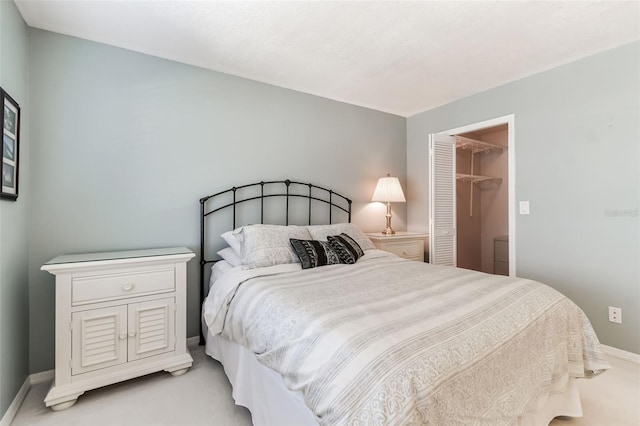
(388, 230)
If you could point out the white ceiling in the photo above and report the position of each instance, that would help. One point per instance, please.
(398, 57)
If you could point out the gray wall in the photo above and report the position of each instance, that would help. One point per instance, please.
(14, 296)
(577, 134)
(125, 144)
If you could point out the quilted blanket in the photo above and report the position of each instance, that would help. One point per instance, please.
(388, 341)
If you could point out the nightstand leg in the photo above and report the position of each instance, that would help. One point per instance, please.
(179, 372)
(63, 405)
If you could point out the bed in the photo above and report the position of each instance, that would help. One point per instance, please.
(370, 338)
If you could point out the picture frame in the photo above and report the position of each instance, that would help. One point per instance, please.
(10, 147)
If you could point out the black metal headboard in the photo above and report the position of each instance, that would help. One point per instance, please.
(258, 192)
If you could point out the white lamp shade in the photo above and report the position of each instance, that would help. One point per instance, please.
(388, 190)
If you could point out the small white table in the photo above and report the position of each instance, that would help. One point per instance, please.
(409, 245)
(119, 315)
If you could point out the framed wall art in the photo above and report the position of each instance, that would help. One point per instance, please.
(10, 146)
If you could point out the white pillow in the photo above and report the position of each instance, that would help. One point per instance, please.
(268, 245)
(231, 237)
(218, 269)
(321, 232)
(231, 256)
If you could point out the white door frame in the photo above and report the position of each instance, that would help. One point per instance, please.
(509, 120)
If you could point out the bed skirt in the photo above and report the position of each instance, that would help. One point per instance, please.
(263, 392)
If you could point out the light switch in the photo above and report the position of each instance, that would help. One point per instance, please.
(524, 207)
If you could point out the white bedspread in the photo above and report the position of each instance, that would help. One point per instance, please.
(391, 341)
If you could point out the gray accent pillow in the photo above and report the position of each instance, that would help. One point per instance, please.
(347, 248)
(313, 253)
(321, 232)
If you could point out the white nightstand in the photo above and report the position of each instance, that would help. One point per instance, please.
(119, 315)
(409, 245)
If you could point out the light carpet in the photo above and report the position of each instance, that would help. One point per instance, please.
(203, 397)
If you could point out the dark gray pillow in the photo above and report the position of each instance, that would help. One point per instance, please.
(347, 248)
(313, 253)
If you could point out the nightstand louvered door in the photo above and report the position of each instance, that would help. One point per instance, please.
(151, 324)
(98, 339)
(103, 338)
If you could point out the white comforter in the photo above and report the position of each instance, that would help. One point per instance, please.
(391, 341)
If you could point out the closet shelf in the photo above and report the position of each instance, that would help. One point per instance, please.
(477, 146)
(477, 178)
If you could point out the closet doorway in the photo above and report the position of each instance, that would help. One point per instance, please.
(472, 197)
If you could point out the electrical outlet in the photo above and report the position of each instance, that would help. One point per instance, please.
(615, 315)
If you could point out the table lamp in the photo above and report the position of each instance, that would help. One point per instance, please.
(388, 191)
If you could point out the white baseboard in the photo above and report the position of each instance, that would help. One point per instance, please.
(11, 412)
(33, 379)
(193, 341)
(43, 376)
(619, 353)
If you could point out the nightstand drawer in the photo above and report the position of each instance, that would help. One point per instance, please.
(409, 245)
(409, 249)
(116, 286)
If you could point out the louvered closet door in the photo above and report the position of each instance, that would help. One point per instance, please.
(99, 339)
(151, 328)
(442, 200)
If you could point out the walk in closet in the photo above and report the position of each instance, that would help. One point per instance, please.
(482, 221)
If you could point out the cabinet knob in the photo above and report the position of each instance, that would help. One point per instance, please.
(123, 335)
(127, 286)
(132, 333)
(405, 252)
